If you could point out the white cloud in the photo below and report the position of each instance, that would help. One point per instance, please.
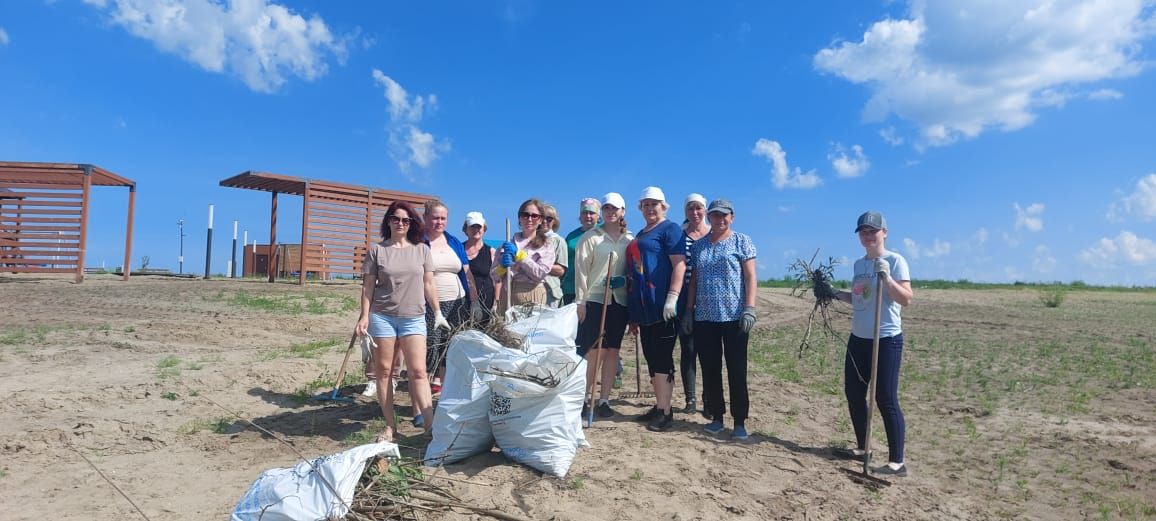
(1011, 240)
(1044, 261)
(1031, 217)
(3, 36)
(915, 251)
(1140, 203)
(890, 137)
(781, 174)
(956, 68)
(1105, 95)
(262, 43)
(980, 237)
(854, 165)
(408, 144)
(1126, 248)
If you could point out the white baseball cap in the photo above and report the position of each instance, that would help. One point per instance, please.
(652, 192)
(694, 198)
(473, 218)
(614, 199)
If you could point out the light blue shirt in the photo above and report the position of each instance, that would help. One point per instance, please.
(720, 291)
(863, 298)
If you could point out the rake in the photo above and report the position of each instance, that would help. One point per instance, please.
(637, 374)
(332, 396)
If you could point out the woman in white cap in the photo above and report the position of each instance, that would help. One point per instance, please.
(656, 260)
(456, 296)
(602, 248)
(694, 228)
(481, 258)
(721, 295)
(878, 265)
(529, 255)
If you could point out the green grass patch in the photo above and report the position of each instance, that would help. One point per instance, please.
(169, 367)
(366, 435)
(214, 425)
(293, 304)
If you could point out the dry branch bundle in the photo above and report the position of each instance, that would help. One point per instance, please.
(815, 279)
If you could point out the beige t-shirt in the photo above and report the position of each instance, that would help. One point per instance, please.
(399, 290)
(447, 265)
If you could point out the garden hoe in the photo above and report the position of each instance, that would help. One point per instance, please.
(332, 396)
(866, 478)
(598, 343)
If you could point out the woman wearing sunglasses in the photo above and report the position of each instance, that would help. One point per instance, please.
(397, 286)
(528, 255)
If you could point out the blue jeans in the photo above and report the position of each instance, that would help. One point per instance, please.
(856, 376)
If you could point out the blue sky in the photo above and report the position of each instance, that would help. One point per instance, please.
(1003, 141)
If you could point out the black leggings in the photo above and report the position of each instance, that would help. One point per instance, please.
(457, 312)
(856, 376)
(686, 365)
(658, 348)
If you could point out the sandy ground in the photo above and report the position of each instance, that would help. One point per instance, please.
(122, 373)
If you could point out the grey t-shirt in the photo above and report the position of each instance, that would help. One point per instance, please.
(863, 298)
(400, 273)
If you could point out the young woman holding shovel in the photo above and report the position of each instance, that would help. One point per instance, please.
(878, 268)
(397, 286)
(602, 249)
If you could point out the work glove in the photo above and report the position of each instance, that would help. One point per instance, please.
(882, 268)
(476, 311)
(747, 322)
(686, 324)
(617, 281)
(509, 250)
(668, 310)
(440, 321)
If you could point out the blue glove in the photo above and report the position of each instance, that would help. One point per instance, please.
(507, 260)
(510, 247)
(617, 281)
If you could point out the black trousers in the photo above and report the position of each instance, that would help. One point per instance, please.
(714, 342)
(687, 365)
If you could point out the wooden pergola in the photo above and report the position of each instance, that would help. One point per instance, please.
(44, 216)
(338, 221)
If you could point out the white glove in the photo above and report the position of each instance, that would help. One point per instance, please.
(581, 311)
(668, 310)
(440, 321)
(882, 268)
(476, 311)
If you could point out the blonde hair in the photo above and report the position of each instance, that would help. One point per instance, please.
(539, 237)
(550, 211)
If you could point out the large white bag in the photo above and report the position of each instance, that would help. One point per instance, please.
(299, 494)
(461, 425)
(536, 406)
(541, 327)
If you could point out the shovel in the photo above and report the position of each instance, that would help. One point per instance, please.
(332, 396)
(866, 478)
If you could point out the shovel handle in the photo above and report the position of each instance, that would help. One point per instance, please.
(874, 368)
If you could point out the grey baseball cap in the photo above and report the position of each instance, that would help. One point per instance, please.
(722, 206)
(871, 219)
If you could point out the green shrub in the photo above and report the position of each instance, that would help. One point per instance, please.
(1052, 297)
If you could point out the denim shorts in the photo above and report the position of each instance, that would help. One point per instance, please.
(385, 326)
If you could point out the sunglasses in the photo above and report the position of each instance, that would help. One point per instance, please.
(548, 219)
(528, 215)
(393, 219)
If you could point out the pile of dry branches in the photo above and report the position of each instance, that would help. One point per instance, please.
(399, 489)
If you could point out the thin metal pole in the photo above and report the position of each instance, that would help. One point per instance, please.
(509, 273)
(181, 258)
(233, 262)
(209, 244)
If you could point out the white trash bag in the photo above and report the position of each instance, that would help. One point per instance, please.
(540, 327)
(299, 493)
(536, 406)
(461, 421)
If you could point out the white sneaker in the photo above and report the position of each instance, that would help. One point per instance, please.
(370, 389)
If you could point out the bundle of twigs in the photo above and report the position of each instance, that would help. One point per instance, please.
(398, 489)
(815, 280)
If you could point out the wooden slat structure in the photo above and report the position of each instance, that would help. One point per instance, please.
(338, 221)
(44, 216)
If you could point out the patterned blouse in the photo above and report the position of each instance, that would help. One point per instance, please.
(720, 291)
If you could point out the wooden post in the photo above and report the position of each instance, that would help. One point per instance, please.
(209, 244)
(128, 232)
(84, 200)
(273, 240)
(304, 235)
